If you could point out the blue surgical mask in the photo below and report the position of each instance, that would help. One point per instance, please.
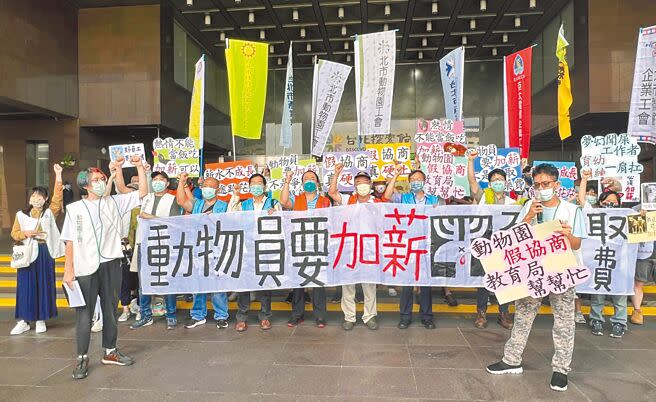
(158, 186)
(416, 186)
(591, 199)
(209, 193)
(257, 190)
(310, 186)
(498, 186)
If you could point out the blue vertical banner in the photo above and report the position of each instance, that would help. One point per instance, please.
(452, 68)
(288, 107)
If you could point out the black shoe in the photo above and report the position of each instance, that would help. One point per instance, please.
(117, 358)
(221, 323)
(404, 324)
(307, 298)
(503, 368)
(559, 382)
(617, 331)
(428, 324)
(596, 327)
(289, 297)
(81, 369)
(193, 323)
(451, 300)
(336, 299)
(188, 298)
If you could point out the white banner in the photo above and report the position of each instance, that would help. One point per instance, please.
(452, 71)
(375, 62)
(392, 244)
(288, 107)
(327, 88)
(642, 113)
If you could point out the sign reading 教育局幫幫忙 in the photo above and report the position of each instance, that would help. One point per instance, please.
(528, 261)
(175, 156)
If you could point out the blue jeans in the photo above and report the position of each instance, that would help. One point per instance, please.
(597, 307)
(219, 302)
(147, 311)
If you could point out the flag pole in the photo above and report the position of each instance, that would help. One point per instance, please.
(234, 149)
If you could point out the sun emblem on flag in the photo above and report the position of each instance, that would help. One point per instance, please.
(248, 50)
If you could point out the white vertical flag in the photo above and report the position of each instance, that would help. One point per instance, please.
(327, 88)
(375, 63)
(642, 114)
(452, 68)
(288, 107)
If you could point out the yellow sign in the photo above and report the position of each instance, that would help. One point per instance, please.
(384, 157)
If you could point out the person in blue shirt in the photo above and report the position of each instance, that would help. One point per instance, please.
(416, 195)
(544, 208)
(210, 204)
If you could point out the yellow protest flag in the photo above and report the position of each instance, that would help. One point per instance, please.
(564, 87)
(196, 111)
(247, 64)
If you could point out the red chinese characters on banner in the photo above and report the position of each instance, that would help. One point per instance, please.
(230, 174)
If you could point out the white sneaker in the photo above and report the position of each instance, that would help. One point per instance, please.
(134, 307)
(232, 297)
(41, 327)
(392, 292)
(124, 316)
(138, 316)
(97, 326)
(21, 327)
(579, 318)
(253, 296)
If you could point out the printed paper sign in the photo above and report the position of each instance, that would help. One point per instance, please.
(383, 158)
(353, 162)
(279, 174)
(446, 174)
(229, 175)
(127, 152)
(441, 130)
(641, 228)
(612, 155)
(175, 156)
(648, 196)
(507, 159)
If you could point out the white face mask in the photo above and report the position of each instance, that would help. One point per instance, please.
(545, 194)
(37, 203)
(363, 189)
(380, 188)
(98, 188)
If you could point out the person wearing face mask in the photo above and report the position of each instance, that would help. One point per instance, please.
(35, 284)
(158, 204)
(92, 233)
(308, 199)
(261, 201)
(415, 196)
(210, 204)
(379, 188)
(546, 207)
(363, 195)
(609, 199)
(495, 194)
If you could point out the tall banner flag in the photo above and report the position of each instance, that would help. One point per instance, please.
(327, 88)
(452, 68)
(517, 100)
(564, 87)
(375, 61)
(197, 109)
(247, 64)
(288, 106)
(642, 114)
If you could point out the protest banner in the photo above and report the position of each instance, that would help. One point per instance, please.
(394, 244)
(127, 151)
(642, 112)
(648, 196)
(567, 174)
(197, 108)
(175, 156)
(247, 64)
(446, 174)
(607, 253)
(528, 261)
(279, 174)
(375, 63)
(288, 106)
(327, 88)
(229, 175)
(353, 162)
(382, 160)
(452, 72)
(507, 159)
(441, 130)
(517, 100)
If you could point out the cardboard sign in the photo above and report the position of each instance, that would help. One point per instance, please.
(507, 159)
(383, 158)
(175, 156)
(229, 175)
(353, 162)
(127, 151)
(446, 174)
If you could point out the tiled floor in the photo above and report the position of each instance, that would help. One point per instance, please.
(307, 363)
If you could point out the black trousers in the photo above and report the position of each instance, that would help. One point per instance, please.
(106, 283)
(425, 303)
(244, 304)
(129, 283)
(318, 303)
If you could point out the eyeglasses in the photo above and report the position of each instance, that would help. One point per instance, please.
(544, 184)
(97, 179)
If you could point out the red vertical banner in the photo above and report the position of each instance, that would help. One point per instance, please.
(517, 100)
